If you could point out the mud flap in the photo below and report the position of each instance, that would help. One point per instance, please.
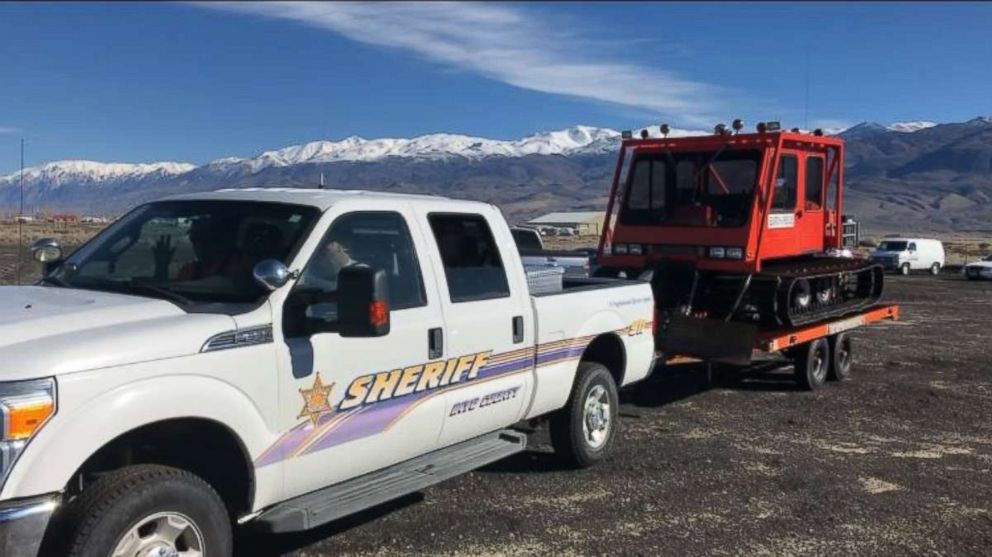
(709, 339)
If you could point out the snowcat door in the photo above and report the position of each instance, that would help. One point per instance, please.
(781, 234)
(811, 216)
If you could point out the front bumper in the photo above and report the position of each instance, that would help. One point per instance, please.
(23, 523)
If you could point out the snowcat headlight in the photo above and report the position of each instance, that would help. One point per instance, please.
(735, 253)
(25, 406)
(619, 249)
(717, 252)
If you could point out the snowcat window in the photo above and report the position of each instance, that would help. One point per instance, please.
(648, 185)
(784, 198)
(814, 183)
(711, 188)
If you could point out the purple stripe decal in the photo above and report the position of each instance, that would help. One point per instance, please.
(376, 417)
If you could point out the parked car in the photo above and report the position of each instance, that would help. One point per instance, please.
(531, 248)
(904, 255)
(979, 270)
(286, 357)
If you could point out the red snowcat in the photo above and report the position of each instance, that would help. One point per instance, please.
(741, 235)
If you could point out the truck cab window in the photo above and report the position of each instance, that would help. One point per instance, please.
(784, 197)
(472, 264)
(380, 240)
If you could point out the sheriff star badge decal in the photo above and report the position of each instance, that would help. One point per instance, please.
(316, 400)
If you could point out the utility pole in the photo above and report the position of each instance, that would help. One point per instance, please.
(20, 216)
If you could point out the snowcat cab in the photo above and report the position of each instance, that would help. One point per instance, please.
(736, 227)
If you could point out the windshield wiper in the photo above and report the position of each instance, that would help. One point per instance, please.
(54, 281)
(156, 291)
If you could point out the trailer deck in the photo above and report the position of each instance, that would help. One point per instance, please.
(769, 341)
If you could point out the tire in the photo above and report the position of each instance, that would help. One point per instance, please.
(935, 269)
(841, 357)
(812, 361)
(152, 497)
(904, 269)
(577, 442)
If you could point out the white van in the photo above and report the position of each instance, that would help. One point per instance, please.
(910, 254)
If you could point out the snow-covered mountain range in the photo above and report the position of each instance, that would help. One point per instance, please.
(908, 170)
(578, 140)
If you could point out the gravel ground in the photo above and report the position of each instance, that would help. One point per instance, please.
(895, 462)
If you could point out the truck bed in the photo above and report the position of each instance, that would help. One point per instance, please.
(580, 284)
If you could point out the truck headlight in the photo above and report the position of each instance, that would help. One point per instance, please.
(718, 252)
(25, 406)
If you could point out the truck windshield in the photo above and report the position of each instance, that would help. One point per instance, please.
(892, 246)
(188, 251)
(712, 188)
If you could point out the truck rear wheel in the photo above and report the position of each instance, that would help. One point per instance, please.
(583, 432)
(812, 360)
(841, 359)
(148, 510)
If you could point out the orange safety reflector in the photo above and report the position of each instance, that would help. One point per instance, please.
(378, 313)
(23, 419)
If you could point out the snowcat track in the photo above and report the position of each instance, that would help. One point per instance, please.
(853, 285)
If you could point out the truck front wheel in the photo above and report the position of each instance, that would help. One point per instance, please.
(583, 432)
(148, 510)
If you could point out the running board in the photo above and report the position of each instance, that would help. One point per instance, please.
(351, 496)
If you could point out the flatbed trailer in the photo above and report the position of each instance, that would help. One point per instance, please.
(820, 351)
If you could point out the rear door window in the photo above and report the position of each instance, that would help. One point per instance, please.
(472, 263)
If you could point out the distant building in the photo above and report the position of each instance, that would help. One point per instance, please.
(584, 223)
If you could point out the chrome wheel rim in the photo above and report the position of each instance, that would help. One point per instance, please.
(596, 417)
(167, 534)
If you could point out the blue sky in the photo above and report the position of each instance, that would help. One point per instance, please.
(193, 82)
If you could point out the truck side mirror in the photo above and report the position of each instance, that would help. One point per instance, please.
(363, 302)
(48, 252)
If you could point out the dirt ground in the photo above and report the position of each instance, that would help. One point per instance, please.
(895, 462)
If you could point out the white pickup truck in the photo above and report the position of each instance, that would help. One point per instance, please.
(286, 357)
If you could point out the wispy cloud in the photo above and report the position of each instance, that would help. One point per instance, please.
(508, 43)
(6, 130)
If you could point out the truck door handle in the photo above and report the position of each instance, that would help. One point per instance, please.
(518, 329)
(435, 343)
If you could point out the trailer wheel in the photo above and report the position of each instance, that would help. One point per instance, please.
(841, 357)
(904, 269)
(812, 361)
(583, 432)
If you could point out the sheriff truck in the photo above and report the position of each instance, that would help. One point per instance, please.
(285, 357)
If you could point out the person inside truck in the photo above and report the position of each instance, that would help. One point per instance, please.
(215, 249)
(333, 255)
